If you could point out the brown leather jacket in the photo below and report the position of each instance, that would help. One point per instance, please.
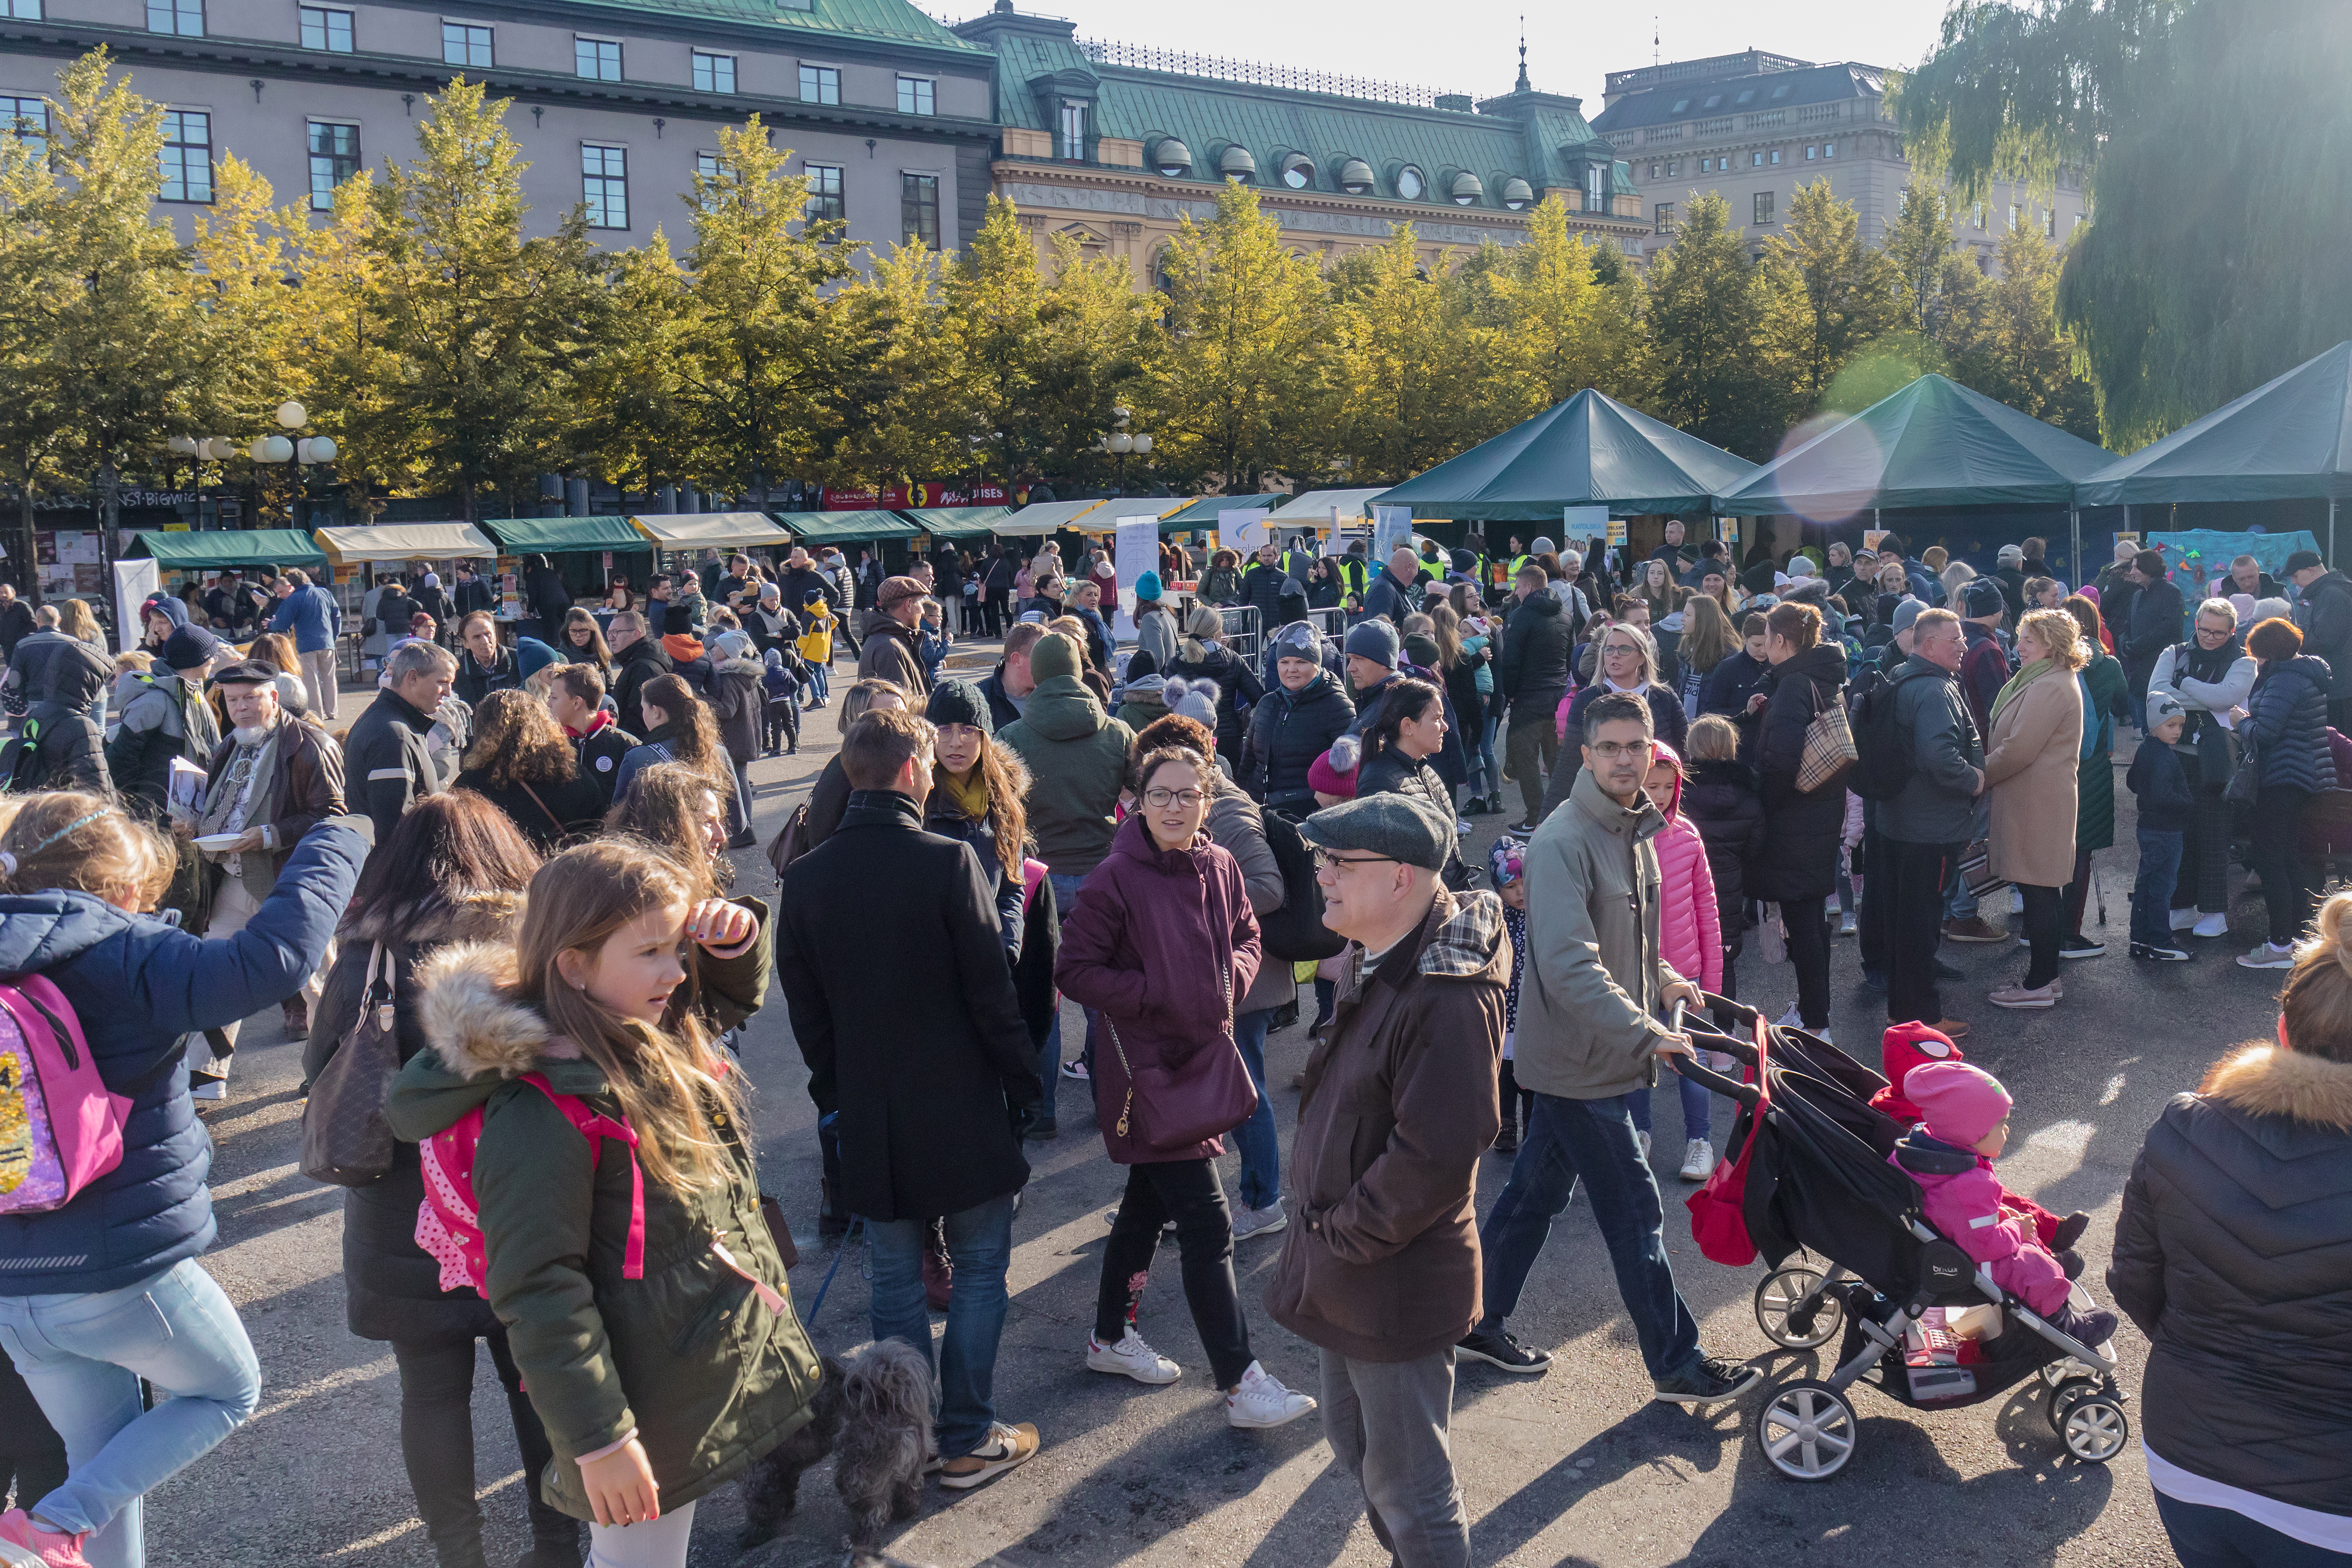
(1381, 1261)
(308, 789)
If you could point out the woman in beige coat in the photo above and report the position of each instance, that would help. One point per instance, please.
(2033, 760)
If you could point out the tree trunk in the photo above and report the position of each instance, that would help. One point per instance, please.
(25, 553)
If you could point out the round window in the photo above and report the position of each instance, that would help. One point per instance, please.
(1409, 183)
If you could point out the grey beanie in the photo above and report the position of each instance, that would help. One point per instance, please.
(1373, 638)
(1394, 827)
(2162, 707)
(1543, 545)
(1905, 613)
(1298, 639)
(1196, 700)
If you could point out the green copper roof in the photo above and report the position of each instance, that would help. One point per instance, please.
(892, 21)
(1538, 138)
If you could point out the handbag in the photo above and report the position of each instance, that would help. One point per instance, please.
(1829, 750)
(2247, 782)
(345, 1139)
(1976, 870)
(1206, 1096)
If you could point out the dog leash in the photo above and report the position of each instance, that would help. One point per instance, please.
(816, 1304)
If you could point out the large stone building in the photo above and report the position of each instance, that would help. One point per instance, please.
(1753, 127)
(1117, 145)
(616, 102)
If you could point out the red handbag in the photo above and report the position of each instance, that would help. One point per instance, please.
(1719, 1220)
(1206, 1096)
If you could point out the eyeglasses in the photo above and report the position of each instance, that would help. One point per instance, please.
(1610, 751)
(1188, 798)
(1326, 861)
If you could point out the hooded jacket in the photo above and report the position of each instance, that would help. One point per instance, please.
(1595, 964)
(2233, 1254)
(1721, 800)
(137, 986)
(889, 654)
(688, 1357)
(64, 683)
(1163, 944)
(1800, 831)
(170, 718)
(1287, 731)
(1382, 1263)
(1531, 676)
(1963, 1199)
(1142, 701)
(1690, 917)
(634, 665)
(1077, 761)
(2325, 618)
(2289, 724)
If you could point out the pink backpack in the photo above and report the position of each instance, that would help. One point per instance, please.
(60, 1126)
(449, 1225)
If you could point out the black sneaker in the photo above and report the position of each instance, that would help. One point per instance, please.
(1711, 1381)
(2080, 948)
(1496, 1347)
(1873, 980)
(2069, 1230)
(2153, 953)
(2091, 1329)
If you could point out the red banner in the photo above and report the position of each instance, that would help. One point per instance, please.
(918, 496)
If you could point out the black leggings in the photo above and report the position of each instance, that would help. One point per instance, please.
(31, 1453)
(436, 1441)
(1188, 1192)
(2288, 886)
(1809, 950)
(2045, 924)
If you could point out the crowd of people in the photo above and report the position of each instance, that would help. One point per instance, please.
(506, 891)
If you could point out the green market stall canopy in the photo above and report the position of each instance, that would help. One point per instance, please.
(217, 549)
(957, 522)
(556, 536)
(1591, 451)
(845, 527)
(2288, 440)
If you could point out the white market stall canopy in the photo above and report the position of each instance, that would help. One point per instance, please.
(1129, 508)
(1313, 509)
(1045, 517)
(710, 530)
(405, 542)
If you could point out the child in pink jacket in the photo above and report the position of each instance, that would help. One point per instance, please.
(1690, 937)
(1964, 1122)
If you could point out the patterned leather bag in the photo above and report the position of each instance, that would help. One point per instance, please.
(345, 1139)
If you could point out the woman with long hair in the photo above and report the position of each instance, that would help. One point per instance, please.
(1406, 731)
(520, 761)
(680, 728)
(1655, 585)
(653, 1391)
(75, 621)
(1165, 908)
(277, 650)
(1707, 639)
(2032, 751)
(582, 642)
(1461, 660)
(453, 870)
(1221, 583)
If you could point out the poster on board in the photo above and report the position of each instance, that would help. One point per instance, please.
(1242, 531)
(1135, 549)
(133, 582)
(1392, 527)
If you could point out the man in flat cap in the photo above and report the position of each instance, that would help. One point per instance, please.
(891, 653)
(1380, 1271)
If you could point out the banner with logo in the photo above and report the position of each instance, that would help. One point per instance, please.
(917, 497)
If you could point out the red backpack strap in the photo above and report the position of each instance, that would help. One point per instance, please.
(594, 1126)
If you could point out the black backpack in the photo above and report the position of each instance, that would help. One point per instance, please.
(1296, 932)
(1886, 762)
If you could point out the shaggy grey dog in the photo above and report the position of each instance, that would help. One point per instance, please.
(873, 1414)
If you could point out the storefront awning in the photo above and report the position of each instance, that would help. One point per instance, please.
(957, 522)
(1045, 517)
(710, 530)
(214, 550)
(845, 527)
(555, 536)
(405, 542)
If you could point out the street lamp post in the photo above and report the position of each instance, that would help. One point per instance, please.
(1122, 441)
(301, 451)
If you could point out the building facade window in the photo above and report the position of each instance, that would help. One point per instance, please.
(335, 157)
(1409, 183)
(1828, 148)
(1664, 222)
(184, 18)
(188, 156)
(1763, 206)
(28, 118)
(820, 84)
(605, 185)
(918, 208)
(1596, 187)
(713, 73)
(21, 10)
(707, 164)
(1811, 154)
(826, 200)
(1776, 156)
(463, 44)
(2016, 216)
(1975, 217)
(325, 27)
(916, 96)
(597, 60)
(1073, 133)
(1653, 171)
(2049, 223)
(1756, 160)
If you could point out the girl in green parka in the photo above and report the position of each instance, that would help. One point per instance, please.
(657, 1388)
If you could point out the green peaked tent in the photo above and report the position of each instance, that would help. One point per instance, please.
(1933, 444)
(2287, 440)
(1591, 451)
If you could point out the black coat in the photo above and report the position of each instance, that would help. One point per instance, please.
(1001, 711)
(2155, 624)
(475, 683)
(1719, 797)
(1262, 586)
(392, 1287)
(1801, 832)
(640, 662)
(563, 813)
(931, 1079)
(1287, 731)
(1531, 674)
(2327, 623)
(2233, 1254)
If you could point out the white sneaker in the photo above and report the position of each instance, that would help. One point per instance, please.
(1260, 1400)
(2182, 919)
(1074, 1068)
(1130, 1357)
(1462, 826)
(1249, 1222)
(1845, 927)
(2269, 956)
(1698, 1159)
(2215, 925)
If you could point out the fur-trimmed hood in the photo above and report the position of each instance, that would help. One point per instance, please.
(2266, 1080)
(473, 1021)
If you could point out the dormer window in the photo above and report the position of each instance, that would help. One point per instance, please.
(1172, 158)
(1518, 196)
(1297, 171)
(1356, 177)
(1073, 133)
(1410, 183)
(1467, 189)
(1236, 163)
(1779, 92)
(1680, 105)
(1747, 96)
(1712, 100)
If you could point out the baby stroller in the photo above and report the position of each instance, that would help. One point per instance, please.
(1806, 1167)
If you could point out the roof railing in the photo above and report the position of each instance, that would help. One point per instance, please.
(1177, 62)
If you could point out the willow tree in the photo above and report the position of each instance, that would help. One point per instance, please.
(2207, 133)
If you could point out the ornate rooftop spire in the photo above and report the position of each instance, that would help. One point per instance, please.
(1523, 85)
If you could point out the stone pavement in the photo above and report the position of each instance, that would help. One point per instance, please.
(1576, 1467)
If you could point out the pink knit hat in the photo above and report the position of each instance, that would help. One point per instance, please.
(1957, 1103)
(1325, 779)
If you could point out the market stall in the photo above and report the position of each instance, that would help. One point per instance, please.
(214, 550)
(957, 522)
(1043, 519)
(589, 554)
(356, 553)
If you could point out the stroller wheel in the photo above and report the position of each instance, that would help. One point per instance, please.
(2094, 1427)
(1793, 1313)
(2062, 1399)
(1807, 1429)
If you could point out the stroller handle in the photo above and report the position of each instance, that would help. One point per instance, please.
(1746, 1094)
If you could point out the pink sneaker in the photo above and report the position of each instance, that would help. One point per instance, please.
(24, 1544)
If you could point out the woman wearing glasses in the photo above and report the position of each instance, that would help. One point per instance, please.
(1628, 663)
(1161, 943)
(1396, 750)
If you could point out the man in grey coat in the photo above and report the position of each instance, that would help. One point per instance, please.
(1592, 987)
(1926, 827)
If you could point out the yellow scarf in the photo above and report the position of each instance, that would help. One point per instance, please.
(970, 793)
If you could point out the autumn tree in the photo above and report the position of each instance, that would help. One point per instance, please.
(905, 404)
(1403, 362)
(1099, 345)
(1553, 315)
(994, 300)
(2004, 340)
(1705, 313)
(343, 348)
(637, 427)
(1826, 294)
(1918, 243)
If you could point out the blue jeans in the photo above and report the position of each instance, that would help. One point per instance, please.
(1489, 777)
(83, 1356)
(819, 681)
(2204, 1536)
(979, 1243)
(2159, 868)
(1261, 1148)
(1049, 1061)
(1593, 1139)
(1699, 1109)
